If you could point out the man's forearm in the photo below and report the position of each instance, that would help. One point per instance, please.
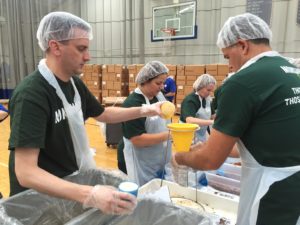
(194, 160)
(119, 114)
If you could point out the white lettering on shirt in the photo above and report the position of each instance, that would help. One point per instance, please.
(296, 90)
(288, 69)
(60, 115)
(292, 100)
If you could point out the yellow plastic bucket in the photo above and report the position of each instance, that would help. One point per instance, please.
(182, 135)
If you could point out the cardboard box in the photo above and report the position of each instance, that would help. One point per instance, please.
(180, 90)
(132, 69)
(96, 76)
(180, 82)
(179, 97)
(111, 68)
(191, 77)
(194, 70)
(119, 68)
(211, 67)
(117, 85)
(96, 68)
(87, 76)
(139, 67)
(223, 69)
(189, 82)
(179, 77)
(212, 72)
(104, 93)
(88, 68)
(180, 68)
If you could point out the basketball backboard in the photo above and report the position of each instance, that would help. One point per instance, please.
(180, 17)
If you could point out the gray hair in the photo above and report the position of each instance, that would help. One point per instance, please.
(203, 81)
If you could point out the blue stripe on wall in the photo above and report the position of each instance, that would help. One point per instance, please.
(5, 93)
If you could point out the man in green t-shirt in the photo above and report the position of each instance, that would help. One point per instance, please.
(259, 109)
(48, 109)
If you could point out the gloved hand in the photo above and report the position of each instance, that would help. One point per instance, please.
(110, 201)
(151, 110)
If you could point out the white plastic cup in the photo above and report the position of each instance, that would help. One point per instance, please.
(129, 187)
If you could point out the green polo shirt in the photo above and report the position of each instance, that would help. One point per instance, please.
(38, 120)
(261, 105)
(189, 106)
(135, 127)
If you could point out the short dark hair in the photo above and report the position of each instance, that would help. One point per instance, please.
(260, 41)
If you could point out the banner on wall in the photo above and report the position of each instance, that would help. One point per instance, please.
(261, 8)
(298, 13)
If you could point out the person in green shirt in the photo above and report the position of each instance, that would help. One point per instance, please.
(196, 107)
(259, 109)
(48, 109)
(147, 147)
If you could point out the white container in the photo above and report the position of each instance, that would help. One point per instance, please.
(223, 204)
(223, 183)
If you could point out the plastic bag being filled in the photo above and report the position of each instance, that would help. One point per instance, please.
(147, 212)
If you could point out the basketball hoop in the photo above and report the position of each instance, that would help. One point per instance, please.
(167, 34)
(169, 31)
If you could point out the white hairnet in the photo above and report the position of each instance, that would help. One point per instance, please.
(150, 70)
(203, 81)
(245, 26)
(62, 26)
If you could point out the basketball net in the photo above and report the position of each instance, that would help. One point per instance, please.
(167, 44)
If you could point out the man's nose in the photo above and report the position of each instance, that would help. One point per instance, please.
(86, 56)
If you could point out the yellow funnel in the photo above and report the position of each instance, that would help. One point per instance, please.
(182, 135)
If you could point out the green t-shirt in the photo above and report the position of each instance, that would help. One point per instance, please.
(135, 127)
(38, 120)
(214, 103)
(261, 105)
(189, 106)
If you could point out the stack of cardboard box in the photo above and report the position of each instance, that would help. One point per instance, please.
(114, 80)
(133, 70)
(219, 71)
(172, 70)
(223, 70)
(91, 76)
(186, 76)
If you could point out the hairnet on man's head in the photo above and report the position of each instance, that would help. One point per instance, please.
(62, 26)
(150, 70)
(203, 81)
(245, 26)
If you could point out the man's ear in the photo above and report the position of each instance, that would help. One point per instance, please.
(244, 46)
(54, 47)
